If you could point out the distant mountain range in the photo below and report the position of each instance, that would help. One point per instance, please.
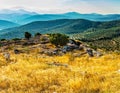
(7, 24)
(23, 17)
(15, 15)
(66, 26)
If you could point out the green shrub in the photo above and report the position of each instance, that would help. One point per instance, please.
(15, 39)
(58, 39)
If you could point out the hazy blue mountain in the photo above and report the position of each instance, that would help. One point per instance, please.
(44, 17)
(21, 16)
(69, 15)
(15, 15)
(7, 24)
(109, 17)
(72, 15)
(17, 11)
(93, 16)
(75, 15)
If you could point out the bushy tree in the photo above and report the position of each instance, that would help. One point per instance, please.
(27, 35)
(58, 39)
(38, 34)
(2, 39)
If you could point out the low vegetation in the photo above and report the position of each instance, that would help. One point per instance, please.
(107, 39)
(31, 70)
(30, 73)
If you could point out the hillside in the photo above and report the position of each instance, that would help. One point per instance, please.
(7, 24)
(108, 38)
(66, 26)
(34, 71)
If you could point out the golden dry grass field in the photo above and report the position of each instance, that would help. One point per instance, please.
(31, 73)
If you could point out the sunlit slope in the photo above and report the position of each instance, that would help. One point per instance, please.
(31, 73)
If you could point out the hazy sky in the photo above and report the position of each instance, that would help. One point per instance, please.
(60, 6)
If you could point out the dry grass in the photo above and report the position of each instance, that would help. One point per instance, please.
(29, 73)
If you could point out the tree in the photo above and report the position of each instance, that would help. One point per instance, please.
(38, 34)
(2, 39)
(27, 35)
(58, 39)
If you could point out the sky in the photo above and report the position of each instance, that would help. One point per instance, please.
(62, 6)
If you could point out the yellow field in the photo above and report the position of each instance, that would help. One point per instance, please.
(30, 73)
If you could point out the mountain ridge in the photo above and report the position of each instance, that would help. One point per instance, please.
(22, 16)
(65, 26)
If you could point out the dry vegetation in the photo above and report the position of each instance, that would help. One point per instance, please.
(30, 72)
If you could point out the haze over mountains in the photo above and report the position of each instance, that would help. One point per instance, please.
(21, 16)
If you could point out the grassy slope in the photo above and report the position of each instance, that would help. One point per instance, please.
(29, 73)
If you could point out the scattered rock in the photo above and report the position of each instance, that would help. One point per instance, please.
(90, 52)
(97, 53)
(7, 56)
(57, 64)
(16, 51)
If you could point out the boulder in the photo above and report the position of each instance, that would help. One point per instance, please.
(90, 52)
(16, 51)
(7, 56)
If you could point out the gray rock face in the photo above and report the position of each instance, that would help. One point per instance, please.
(90, 52)
(7, 56)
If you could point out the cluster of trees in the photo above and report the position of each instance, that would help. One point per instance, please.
(57, 39)
(29, 35)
